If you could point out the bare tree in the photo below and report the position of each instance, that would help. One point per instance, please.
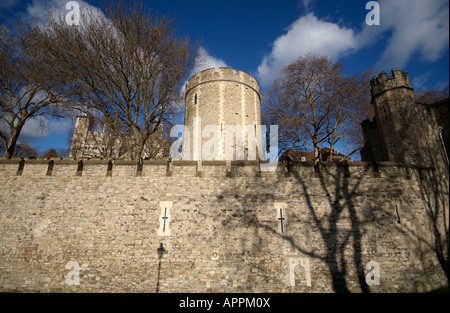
(50, 153)
(26, 84)
(158, 145)
(432, 95)
(97, 140)
(287, 137)
(124, 68)
(23, 149)
(94, 139)
(316, 104)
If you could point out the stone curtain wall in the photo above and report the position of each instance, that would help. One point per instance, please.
(218, 227)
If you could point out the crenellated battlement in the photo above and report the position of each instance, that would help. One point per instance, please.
(383, 82)
(160, 169)
(224, 74)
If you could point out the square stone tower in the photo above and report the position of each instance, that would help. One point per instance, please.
(83, 127)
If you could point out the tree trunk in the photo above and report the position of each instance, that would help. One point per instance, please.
(11, 144)
(330, 157)
(316, 149)
(139, 150)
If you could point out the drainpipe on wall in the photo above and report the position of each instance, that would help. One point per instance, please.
(439, 129)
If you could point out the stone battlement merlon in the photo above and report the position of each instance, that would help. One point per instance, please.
(383, 82)
(224, 74)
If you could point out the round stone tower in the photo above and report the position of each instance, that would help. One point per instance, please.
(222, 116)
(399, 121)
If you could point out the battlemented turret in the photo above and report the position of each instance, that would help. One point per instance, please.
(398, 118)
(221, 103)
(383, 82)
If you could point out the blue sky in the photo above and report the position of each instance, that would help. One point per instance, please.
(260, 37)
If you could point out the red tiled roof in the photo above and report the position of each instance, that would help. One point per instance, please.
(297, 156)
(303, 156)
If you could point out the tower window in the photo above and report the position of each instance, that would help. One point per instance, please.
(195, 99)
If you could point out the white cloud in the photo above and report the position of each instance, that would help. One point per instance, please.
(40, 127)
(414, 27)
(205, 61)
(36, 127)
(306, 35)
(59, 126)
(39, 8)
(419, 82)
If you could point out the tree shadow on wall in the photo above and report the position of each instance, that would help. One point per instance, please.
(341, 194)
(433, 188)
(333, 200)
(432, 193)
